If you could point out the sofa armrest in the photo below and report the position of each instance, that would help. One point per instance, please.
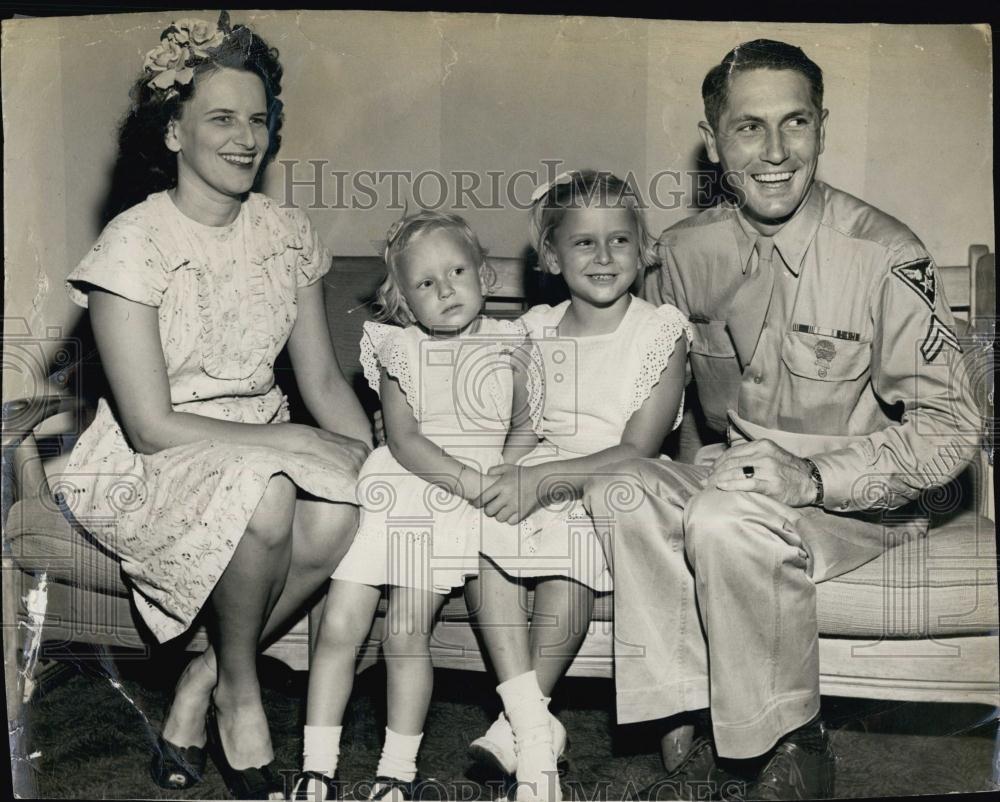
(22, 415)
(983, 328)
(22, 458)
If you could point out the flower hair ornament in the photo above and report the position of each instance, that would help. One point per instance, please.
(544, 189)
(182, 45)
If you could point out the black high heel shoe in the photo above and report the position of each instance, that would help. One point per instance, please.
(173, 767)
(252, 783)
(177, 768)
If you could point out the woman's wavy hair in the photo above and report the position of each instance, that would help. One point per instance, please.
(390, 303)
(583, 187)
(145, 164)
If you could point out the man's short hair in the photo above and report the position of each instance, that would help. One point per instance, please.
(759, 54)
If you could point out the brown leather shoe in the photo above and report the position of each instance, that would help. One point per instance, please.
(697, 777)
(794, 773)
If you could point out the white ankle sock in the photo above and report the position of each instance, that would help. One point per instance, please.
(527, 710)
(321, 749)
(521, 686)
(399, 756)
(522, 693)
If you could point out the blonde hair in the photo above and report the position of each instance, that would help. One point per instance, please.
(390, 303)
(579, 188)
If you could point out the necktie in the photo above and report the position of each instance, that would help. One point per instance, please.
(750, 304)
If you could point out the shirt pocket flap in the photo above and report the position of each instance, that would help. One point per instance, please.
(711, 338)
(823, 358)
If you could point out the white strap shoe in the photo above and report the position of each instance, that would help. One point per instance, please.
(495, 747)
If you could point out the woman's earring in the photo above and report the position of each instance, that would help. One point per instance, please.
(170, 138)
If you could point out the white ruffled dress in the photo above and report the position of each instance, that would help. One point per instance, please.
(583, 392)
(226, 301)
(412, 533)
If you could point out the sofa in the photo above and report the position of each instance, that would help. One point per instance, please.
(918, 623)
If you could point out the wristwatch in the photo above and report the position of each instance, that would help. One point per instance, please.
(817, 478)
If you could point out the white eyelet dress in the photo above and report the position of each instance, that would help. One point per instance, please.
(583, 392)
(225, 299)
(413, 533)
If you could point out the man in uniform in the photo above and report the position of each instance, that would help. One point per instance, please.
(823, 347)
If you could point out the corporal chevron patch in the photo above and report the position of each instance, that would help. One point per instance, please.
(919, 277)
(938, 336)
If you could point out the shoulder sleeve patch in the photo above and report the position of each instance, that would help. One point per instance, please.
(919, 277)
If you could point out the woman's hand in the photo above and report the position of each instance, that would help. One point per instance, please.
(327, 394)
(514, 494)
(346, 453)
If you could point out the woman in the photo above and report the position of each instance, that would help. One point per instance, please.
(196, 479)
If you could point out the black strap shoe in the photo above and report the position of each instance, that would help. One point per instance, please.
(394, 789)
(314, 786)
(698, 777)
(796, 773)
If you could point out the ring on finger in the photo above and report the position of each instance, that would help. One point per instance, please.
(748, 471)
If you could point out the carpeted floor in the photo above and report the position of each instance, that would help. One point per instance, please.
(89, 738)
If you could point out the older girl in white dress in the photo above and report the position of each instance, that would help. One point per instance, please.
(600, 380)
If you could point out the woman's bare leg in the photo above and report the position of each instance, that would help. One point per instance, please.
(321, 534)
(241, 602)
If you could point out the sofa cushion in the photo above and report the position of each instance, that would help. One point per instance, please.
(41, 539)
(941, 584)
(76, 615)
(455, 609)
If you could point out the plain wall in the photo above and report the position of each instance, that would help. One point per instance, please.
(910, 125)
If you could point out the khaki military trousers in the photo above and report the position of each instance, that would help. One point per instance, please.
(715, 598)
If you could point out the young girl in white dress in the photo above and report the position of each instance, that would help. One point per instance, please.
(445, 382)
(600, 380)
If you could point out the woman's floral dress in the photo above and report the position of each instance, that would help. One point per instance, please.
(226, 302)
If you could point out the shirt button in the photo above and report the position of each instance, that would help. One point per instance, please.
(758, 379)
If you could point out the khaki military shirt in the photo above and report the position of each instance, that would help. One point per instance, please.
(858, 342)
